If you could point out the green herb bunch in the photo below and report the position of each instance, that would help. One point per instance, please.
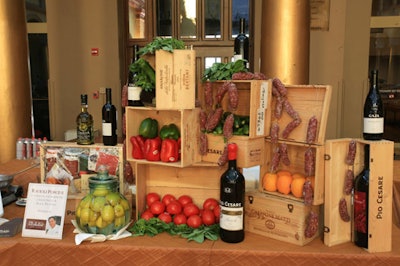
(160, 43)
(155, 226)
(223, 71)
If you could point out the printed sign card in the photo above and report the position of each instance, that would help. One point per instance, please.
(45, 210)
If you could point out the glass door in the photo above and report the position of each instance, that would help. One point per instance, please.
(385, 56)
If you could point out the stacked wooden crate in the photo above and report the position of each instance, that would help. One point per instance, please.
(284, 216)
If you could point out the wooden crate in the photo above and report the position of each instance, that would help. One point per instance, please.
(200, 182)
(308, 101)
(380, 192)
(187, 122)
(296, 156)
(250, 150)
(279, 218)
(175, 79)
(254, 101)
(95, 155)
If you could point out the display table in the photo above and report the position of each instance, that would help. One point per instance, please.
(164, 249)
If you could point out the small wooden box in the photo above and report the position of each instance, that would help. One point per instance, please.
(308, 101)
(296, 153)
(200, 182)
(91, 156)
(186, 120)
(175, 79)
(380, 192)
(250, 150)
(279, 218)
(254, 101)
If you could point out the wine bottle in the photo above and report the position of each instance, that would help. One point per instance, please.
(361, 191)
(134, 91)
(241, 47)
(109, 121)
(84, 124)
(373, 111)
(232, 191)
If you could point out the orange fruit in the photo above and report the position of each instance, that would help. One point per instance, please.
(269, 181)
(283, 183)
(283, 172)
(312, 179)
(297, 186)
(296, 175)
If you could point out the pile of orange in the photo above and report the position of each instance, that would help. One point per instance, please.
(285, 182)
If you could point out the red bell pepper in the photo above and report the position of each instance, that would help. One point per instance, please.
(137, 147)
(169, 150)
(152, 149)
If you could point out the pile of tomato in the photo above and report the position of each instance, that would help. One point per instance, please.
(181, 210)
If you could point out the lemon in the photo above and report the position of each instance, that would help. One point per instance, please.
(100, 192)
(84, 216)
(119, 210)
(78, 212)
(124, 204)
(119, 221)
(107, 213)
(85, 202)
(100, 223)
(113, 198)
(93, 216)
(98, 203)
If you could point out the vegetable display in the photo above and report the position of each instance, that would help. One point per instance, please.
(153, 145)
(178, 216)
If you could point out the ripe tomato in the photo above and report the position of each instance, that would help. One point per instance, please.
(217, 213)
(185, 199)
(167, 198)
(166, 217)
(210, 204)
(174, 207)
(194, 221)
(152, 197)
(191, 209)
(147, 214)
(180, 219)
(157, 207)
(208, 217)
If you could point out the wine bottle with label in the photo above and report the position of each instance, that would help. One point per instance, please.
(232, 192)
(241, 45)
(373, 111)
(361, 191)
(84, 124)
(133, 90)
(109, 121)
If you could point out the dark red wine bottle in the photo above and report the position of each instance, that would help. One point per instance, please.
(109, 115)
(373, 111)
(241, 45)
(361, 191)
(232, 192)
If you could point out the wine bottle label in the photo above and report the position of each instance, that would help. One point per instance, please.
(360, 211)
(231, 218)
(134, 93)
(85, 133)
(373, 125)
(107, 129)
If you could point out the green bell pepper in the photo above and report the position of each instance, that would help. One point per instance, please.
(149, 128)
(170, 131)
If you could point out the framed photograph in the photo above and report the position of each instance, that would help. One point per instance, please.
(45, 211)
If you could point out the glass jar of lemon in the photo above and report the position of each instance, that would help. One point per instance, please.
(104, 210)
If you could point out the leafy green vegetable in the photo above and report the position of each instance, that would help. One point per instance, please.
(144, 76)
(160, 43)
(223, 71)
(155, 226)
